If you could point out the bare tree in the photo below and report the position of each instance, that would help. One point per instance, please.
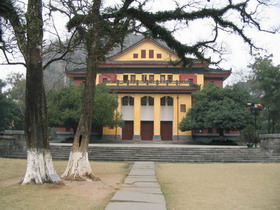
(102, 27)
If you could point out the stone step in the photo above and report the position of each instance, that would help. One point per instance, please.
(164, 154)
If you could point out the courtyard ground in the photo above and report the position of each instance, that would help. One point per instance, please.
(73, 195)
(220, 186)
(186, 186)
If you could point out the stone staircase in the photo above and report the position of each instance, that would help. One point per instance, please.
(164, 153)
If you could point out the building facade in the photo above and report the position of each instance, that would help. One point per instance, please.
(154, 91)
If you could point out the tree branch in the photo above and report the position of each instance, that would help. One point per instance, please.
(8, 11)
(69, 47)
(8, 61)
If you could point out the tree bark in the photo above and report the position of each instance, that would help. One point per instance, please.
(78, 167)
(40, 167)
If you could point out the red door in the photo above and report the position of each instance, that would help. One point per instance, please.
(147, 130)
(127, 131)
(166, 130)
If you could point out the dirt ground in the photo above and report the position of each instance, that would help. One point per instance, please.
(72, 195)
(227, 186)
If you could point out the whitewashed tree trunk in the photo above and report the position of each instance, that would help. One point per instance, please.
(78, 164)
(40, 167)
(78, 167)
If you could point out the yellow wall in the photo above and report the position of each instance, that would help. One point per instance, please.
(137, 114)
(177, 115)
(147, 45)
(110, 131)
(156, 114)
(200, 79)
(183, 100)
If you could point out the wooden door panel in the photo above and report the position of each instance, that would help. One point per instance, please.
(166, 130)
(127, 131)
(147, 130)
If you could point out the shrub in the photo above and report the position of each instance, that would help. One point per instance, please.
(248, 134)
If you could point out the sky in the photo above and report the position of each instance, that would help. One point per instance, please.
(237, 57)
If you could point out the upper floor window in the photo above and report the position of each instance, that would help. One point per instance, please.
(151, 53)
(125, 78)
(151, 78)
(183, 108)
(170, 78)
(132, 78)
(158, 55)
(143, 53)
(147, 101)
(144, 78)
(128, 101)
(162, 78)
(105, 80)
(135, 55)
(166, 101)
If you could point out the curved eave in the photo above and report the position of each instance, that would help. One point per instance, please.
(224, 75)
(75, 74)
(208, 73)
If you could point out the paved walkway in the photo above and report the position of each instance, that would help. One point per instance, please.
(140, 190)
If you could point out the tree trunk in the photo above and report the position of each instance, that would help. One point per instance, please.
(268, 123)
(78, 167)
(221, 134)
(273, 124)
(40, 167)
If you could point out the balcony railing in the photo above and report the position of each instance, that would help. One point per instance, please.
(186, 83)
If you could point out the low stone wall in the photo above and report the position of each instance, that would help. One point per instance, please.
(12, 141)
(270, 142)
(208, 138)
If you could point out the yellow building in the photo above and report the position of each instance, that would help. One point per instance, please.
(154, 91)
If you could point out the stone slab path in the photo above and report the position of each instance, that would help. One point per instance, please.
(140, 190)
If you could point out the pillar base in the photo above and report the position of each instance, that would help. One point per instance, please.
(136, 138)
(111, 137)
(156, 138)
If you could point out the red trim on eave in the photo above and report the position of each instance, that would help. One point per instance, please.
(76, 74)
(224, 75)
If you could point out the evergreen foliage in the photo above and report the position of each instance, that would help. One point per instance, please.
(65, 107)
(16, 92)
(248, 134)
(267, 77)
(216, 107)
(9, 112)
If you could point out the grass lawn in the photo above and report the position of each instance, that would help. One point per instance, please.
(247, 186)
(73, 195)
